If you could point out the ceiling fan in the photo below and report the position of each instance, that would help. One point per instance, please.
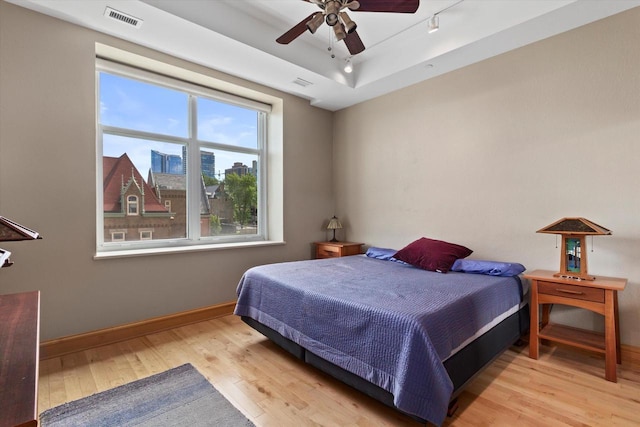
(332, 12)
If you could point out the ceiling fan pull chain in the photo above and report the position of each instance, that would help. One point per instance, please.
(330, 48)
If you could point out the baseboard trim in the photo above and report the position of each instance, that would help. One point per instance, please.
(80, 342)
(630, 354)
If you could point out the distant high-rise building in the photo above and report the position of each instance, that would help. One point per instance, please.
(175, 164)
(166, 163)
(157, 161)
(208, 163)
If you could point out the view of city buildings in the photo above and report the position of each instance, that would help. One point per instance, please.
(175, 164)
(149, 193)
(156, 208)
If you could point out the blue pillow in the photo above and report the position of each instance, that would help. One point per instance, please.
(491, 268)
(380, 253)
(383, 254)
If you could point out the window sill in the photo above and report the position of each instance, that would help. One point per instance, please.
(126, 253)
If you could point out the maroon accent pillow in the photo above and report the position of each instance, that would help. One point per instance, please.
(432, 255)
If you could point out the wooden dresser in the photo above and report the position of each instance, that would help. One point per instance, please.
(19, 353)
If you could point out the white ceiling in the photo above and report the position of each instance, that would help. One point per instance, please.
(238, 37)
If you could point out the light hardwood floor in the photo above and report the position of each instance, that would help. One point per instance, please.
(272, 388)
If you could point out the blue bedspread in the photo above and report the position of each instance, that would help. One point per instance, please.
(389, 323)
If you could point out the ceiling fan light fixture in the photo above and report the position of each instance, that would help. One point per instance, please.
(349, 25)
(433, 24)
(348, 66)
(331, 12)
(338, 30)
(314, 23)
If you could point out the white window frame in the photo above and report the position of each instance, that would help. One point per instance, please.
(270, 226)
(167, 205)
(133, 201)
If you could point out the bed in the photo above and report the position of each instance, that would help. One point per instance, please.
(410, 338)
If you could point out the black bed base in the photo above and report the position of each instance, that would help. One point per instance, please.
(462, 366)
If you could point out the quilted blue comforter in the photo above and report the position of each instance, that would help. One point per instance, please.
(389, 323)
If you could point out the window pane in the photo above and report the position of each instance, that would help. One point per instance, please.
(141, 200)
(232, 194)
(227, 124)
(140, 106)
(132, 205)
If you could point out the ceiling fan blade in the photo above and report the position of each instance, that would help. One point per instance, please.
(397, 6)
(296, 31)
(354, 43)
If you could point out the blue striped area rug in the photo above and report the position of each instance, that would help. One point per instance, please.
(178, 397)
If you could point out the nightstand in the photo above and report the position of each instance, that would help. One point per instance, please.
(599, 295)
(337, 249)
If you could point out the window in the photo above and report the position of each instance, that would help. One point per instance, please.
(132, 205)
(146, 234)
(183, 161)
(117, 236)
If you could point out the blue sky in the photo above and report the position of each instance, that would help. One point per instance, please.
(136, 105)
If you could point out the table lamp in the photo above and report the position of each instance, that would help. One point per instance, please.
(334, 225)
(573, 252)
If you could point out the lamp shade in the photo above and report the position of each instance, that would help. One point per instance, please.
(573, 252)
(578, 226)
(334, 224)
(12, 231)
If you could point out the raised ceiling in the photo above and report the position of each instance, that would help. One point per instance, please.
(238, 37)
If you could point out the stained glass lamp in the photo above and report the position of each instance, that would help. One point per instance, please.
(573, 252)
(334, 224)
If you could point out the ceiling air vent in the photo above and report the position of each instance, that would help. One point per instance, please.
(123, 17)
(302, 82)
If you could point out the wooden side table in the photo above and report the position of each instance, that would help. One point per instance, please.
(599, 295)
(337, 249)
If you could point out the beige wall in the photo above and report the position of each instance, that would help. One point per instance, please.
(486, 155)
(47, 182)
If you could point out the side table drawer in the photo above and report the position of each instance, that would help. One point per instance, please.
(571, 291)
(326, 251)
(337, 249)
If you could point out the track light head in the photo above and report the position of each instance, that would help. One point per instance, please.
(348, 66)
(433, 24)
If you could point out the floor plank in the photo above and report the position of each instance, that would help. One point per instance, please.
(564, 387)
